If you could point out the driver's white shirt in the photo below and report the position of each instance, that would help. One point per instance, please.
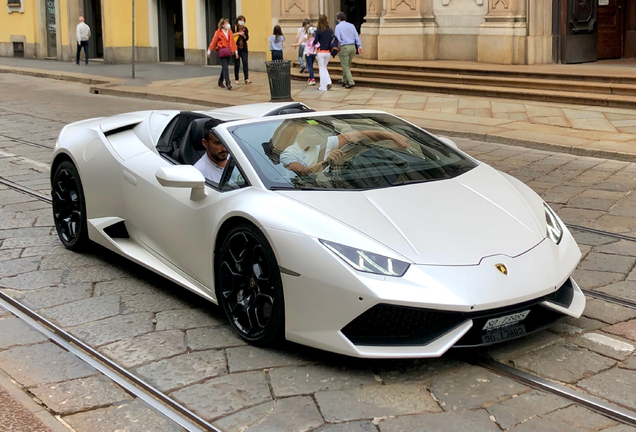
(295, 153)
(209, 169)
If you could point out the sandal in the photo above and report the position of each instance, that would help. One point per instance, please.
(247, 81)
(237, 82)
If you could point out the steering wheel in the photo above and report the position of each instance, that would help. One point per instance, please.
(381, 166)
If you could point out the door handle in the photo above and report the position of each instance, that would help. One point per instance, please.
(129, 178)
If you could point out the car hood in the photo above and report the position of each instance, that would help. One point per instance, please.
(446, 222)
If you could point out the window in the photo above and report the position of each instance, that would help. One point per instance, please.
(348, 151)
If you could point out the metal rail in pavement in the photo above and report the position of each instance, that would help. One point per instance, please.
(178, 412)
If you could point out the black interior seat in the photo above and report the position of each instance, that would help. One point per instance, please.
(191, 148)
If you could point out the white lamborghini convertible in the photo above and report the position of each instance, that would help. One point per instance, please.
(351, 231)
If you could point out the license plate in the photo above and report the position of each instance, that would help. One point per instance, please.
(505, 320)
(503, 333)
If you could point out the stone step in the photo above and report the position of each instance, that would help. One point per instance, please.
(537, 82)
(571, 94)
(550, 72)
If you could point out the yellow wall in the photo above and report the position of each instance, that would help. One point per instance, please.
(191, 15)
(19, 24)
(63, 19)
(258, 19)
(117, 21)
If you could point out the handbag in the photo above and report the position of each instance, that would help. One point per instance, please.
(334, 47)
(224, 52)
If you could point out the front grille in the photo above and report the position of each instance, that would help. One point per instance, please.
(391, 325)
(563, 296)
(385, 324)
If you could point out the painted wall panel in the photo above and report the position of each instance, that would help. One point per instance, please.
(20, 24)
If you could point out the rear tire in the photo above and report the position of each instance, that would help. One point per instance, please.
(249, 287)
(69, 207)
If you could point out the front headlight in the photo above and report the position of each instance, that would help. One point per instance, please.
(368, 261)
(554, 226)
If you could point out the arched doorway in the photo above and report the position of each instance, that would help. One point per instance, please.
(355, 10)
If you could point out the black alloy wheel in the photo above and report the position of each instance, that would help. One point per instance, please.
(69, 207)
(249, 286)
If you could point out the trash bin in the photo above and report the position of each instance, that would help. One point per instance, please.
(279, 75)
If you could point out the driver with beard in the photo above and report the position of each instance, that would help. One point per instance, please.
(309, 155)
(213, 162)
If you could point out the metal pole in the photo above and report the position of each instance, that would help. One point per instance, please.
(133, 38)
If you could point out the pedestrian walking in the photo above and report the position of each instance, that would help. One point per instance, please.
(242, 36)
(277, 43)
(83, 34)
(301, 39)
(323, 40)
(310, 54)
(350, 45)
(225, 47)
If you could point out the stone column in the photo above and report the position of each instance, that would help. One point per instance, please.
(502, 37)
(407, 31)
(290, 14)
(371, 29)
(539, 23)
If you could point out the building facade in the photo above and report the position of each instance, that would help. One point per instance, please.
(488, 31)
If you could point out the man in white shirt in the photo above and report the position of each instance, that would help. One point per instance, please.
(312, 151)
(83, 34)
(213, 162)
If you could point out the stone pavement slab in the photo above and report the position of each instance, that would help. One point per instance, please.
(298, 414)
(80, 395)
(83, 311)
(579, 417)
(359, 426)
(225, 395)
(15, 332)
(41, 364)
(456, 421)
(213, 337)
(113, 329)
(609, 346)
(376, 401)
(525, 406)
(609, 313)
(625, 329)
(130, 417)
(563, 362)
(183, 370)
(186, 319)
(299, 380)
(55, 296)
(249, 357)
(33, 280)
(616, 385)
(471, 388)
(136, 351)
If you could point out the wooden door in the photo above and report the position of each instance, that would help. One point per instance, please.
(610, 29)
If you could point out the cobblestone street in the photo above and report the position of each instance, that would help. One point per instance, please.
(184, 346)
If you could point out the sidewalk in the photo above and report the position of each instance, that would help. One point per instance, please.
(19, 413)
(576, 129)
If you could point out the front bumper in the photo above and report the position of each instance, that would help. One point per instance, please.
(431, 309)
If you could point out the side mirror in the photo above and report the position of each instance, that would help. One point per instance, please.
(448, 141)
(183, 176)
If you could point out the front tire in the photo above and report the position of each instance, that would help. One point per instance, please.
(249, 287)
(69, 207)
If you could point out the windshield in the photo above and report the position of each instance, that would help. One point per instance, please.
(348, 151)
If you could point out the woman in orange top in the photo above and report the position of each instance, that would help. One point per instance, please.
(225, 46)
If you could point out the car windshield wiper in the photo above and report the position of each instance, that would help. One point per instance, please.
(277, 188)
(407, 182)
